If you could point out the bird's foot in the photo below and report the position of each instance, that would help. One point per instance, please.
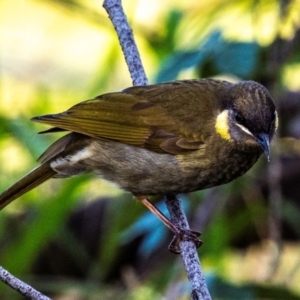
(184, 235)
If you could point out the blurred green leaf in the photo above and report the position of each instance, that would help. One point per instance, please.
(44, 222)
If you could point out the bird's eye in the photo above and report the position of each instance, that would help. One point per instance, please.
(238, 118)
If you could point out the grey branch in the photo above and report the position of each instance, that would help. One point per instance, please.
(188, 248)
(118, 18)
(21, 287)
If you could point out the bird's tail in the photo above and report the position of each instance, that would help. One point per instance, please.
(27, 183)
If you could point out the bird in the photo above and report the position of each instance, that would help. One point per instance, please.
(172, 137)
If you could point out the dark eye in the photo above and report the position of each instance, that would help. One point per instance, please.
(238, 118)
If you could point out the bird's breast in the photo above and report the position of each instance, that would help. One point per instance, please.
(220, 163)
(145, 172)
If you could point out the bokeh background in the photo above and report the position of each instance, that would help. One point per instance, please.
(83, 238)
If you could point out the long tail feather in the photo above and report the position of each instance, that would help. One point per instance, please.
(27, 183)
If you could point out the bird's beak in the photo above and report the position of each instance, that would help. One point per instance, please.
(263, 140)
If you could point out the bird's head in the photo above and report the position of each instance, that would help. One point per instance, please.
(248, 116)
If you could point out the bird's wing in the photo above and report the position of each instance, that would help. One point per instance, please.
(166, 118)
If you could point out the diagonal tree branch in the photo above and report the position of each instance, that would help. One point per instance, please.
(20, 286)
(187, 248)
(118, 18)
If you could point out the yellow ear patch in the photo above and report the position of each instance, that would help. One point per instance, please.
(222, 126)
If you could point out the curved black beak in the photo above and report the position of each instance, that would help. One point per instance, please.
(263, 140)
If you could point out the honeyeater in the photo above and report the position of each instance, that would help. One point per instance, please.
(173, 137)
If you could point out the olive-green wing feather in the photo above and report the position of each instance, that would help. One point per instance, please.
(107, 116)
(169, 118)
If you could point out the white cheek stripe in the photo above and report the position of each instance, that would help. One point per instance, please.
(276, 120)
(244, 129)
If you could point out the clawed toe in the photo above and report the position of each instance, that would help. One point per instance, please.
(184, 235)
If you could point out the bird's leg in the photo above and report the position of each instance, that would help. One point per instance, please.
(180, 234)
(144, 200)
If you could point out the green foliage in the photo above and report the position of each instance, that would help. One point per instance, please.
(31, 225)
(226, 291)
(214, 56)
